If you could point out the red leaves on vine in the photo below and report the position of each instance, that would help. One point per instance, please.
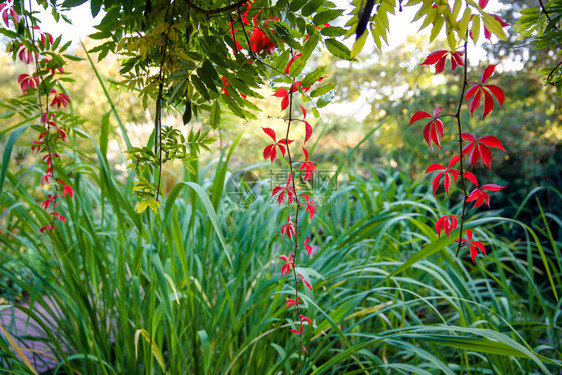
(433, 131)
(474, 245)
(478, 148)
(478, 194)
(447, 223)
(291, 62)
(447, 173)
(288, 229)
(490, 91)
(286, 268)
(307, 127)
(292, 302)
(438, 58)
(6, 11)
(60, 99)
(307, 247)
(305, 282)
(26, 81)
(300, 331)
(58, 216)
(308, 166)
(284, 190)
(310, 206)
(270, 151)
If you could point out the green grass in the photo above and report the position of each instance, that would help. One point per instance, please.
(197, 289)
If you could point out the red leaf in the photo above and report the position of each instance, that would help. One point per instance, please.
(497, 92)
(434, 57)
(285, 102)
(488, 72)
(483, 3)
(491, 141)
(471, 177)
(486, 156)
(270, 132)
(418, 116)
(440, 66)
(488, 104)
(281, 93)
(308, 131)
(305, 153)
(437, 111)
(471, 91)
(433, 168)
(492, 187)
(475, 103)
(454, 160)
(303, 112)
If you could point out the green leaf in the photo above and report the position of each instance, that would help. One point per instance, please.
(95, 7)
(311, 7)
(325, 99)
(104, 135)
(358, 45)
(338, 49)
(215, 115)
(313, 76)
(333, 31)
(72, 3)
(494, 26)
(327, 16)
(323, 90)
(200, 86)
(186, 117)
(8, 152)
(295, 5)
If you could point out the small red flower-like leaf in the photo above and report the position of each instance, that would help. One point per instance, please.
(288, 229)
(281, 92)
(447, 223)
(292, 302)
(303, 112)
(305, 282)
(307, 131)
(440, 57)
(434, 57)
(285, 103)
(286, 268)
(478, 148)
(447, 173)
(307, 247)
(487, 73)
(471, 177)
(474, 245)
(497, 92)
(271, 133)
(433, 131)
(418, 116)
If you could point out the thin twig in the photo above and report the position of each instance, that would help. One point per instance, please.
(457, 115)
(225, 9)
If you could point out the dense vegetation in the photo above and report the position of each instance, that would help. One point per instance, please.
(193, 285)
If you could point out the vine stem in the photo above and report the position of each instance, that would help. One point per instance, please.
(296, 241)
(457, 115)
(158, 116)
(44, 118)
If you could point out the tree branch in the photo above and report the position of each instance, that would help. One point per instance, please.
(225, 9)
